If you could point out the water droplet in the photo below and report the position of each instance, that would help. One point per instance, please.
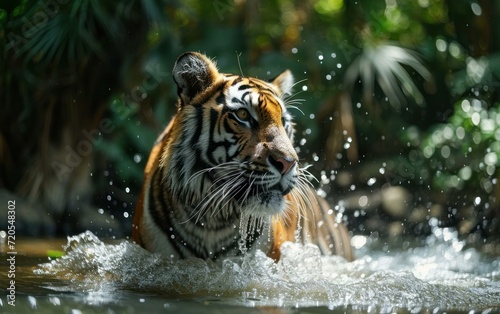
(465, 173)
(445, 151)
(358, 241)
(477, 201)
(476, 9)
(363, 201)
(491, 159)
(441, 45)
(137, 158)
(476, 118)
(490, 170)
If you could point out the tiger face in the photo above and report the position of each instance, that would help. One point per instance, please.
(235, 146)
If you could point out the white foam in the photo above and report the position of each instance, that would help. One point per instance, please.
(441, 275)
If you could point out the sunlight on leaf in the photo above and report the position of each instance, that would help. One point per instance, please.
(477, 73)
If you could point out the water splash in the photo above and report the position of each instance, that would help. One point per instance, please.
(442, 274)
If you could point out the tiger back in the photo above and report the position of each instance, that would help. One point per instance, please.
(224, 177)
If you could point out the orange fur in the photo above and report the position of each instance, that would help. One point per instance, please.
(151, 165)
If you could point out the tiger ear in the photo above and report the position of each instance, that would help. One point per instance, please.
(193, 72)
(284, 82)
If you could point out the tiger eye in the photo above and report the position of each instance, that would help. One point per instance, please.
(242, 114)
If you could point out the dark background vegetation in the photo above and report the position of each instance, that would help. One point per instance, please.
(398, 96)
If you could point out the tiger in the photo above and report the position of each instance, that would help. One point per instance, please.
(223, 178)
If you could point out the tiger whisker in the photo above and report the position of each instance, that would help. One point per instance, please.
(227, 165)
(233, 189)
(243, 198)
(296, 93)
(218, 194)
(301, 198)
(288, 106)
(203, 204)
(296, 101)
(308, 175)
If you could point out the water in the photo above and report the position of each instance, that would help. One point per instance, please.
(441, 274)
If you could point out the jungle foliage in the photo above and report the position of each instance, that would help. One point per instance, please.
(412, 86)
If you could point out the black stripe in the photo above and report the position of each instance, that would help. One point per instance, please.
(239, 101)
(162, 215)
(236, 81)
(267, 90)
(244, 95)
(262, 103)
(244, 86)
(211, 143)
(199, 125)
(221, 99)
(159, 208)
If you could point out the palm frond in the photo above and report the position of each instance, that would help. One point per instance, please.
(385, 65)
(80, 28)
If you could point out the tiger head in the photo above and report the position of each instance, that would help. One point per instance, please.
(231, 146)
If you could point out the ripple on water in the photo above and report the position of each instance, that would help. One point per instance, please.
(440, 274)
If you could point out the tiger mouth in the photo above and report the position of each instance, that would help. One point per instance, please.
(276, 189)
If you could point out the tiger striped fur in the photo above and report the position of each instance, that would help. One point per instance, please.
(224, 177)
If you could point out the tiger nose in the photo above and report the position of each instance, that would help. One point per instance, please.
(283, 164)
